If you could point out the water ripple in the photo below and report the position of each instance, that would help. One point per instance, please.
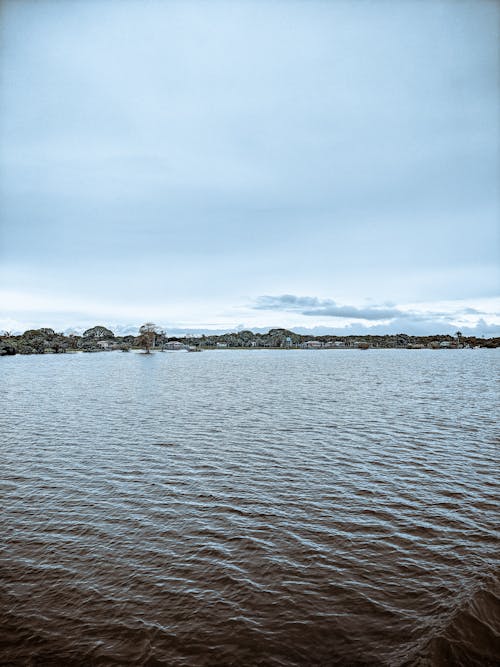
(250, 508)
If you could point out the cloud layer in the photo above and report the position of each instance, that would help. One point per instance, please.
(384, 319)
(312, 306)
(186, 157)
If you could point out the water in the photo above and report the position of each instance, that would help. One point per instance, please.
(250, 508)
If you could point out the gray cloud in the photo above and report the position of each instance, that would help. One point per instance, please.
(314, 307)
(410, 321)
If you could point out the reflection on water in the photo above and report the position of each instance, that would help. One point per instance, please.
(250, 508)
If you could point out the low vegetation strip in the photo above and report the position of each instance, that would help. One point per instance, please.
(150, 337)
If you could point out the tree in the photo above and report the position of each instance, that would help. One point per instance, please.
(39, 339)
(73, 341)
(98, 333)
(161, 338)
(147, 336)
(47, 331)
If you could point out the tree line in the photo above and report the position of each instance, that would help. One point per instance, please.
(150, 337)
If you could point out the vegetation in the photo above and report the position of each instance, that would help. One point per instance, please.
(150, 337)
(98, 333)
(147, 336)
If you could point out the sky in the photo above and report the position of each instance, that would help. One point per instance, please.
(319, 166)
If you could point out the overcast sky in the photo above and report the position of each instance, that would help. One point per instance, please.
(217, 165)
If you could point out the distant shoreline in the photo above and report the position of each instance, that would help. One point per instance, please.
(152, 338)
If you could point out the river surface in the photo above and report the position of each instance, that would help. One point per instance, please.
(250, 508)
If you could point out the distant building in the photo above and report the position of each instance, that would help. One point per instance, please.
(108, 344)
(334, 344)
(174, 345)
(312, 345)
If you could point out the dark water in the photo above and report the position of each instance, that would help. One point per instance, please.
(250, 508)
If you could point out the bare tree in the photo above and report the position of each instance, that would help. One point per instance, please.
(147, 336)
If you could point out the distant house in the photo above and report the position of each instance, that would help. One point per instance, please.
(312, 345)
(108, 344)
(334, 344)
(174, 345)
(221, 345)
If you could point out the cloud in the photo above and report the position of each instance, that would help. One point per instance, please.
(314, 307)
(383, 319)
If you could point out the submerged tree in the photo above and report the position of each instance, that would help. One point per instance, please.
(147, 336)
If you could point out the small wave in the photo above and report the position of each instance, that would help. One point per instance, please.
(469, 638)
